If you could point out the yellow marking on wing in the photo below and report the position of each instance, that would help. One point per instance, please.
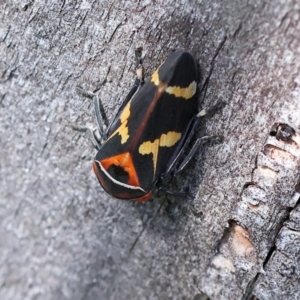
(150, 148)
(169, 139)
(125, 113)
(160, 85)
(123, 132)
(155, 77)
(123, 129)
(165, 140)
(186, 93)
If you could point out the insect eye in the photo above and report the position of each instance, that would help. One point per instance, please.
(118, 173)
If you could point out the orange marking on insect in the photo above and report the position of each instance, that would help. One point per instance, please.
(145, 197)
(123, 160)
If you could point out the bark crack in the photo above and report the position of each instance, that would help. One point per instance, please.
(206, 82)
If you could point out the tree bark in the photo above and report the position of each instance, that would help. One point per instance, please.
(63, 237)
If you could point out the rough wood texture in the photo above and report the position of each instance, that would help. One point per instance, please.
(62, 237)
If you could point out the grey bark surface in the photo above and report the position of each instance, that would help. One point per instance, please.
(63, 237)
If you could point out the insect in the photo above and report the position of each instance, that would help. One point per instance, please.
(151, 130)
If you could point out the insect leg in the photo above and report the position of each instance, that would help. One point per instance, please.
(98, 107)
(99, 110)
(211, 111)
(91, 132)
(191, 131)
(194, 149)
(100, 113)
(93, 137)
(94, 134)
(164, 190)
